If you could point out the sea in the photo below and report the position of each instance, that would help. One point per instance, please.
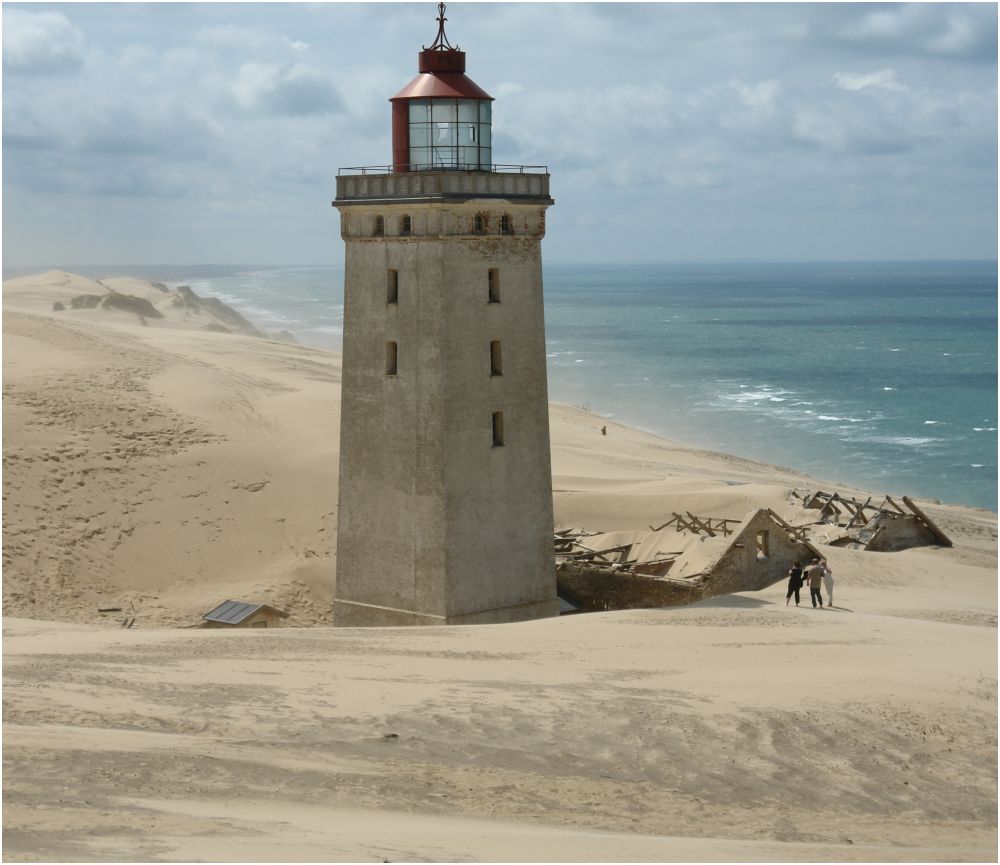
(881, 375)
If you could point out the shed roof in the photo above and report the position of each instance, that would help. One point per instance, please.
(234, 612)
(566, 605)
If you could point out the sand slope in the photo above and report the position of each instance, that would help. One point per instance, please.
(808, 734)
(164, 468)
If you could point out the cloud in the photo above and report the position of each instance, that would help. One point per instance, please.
(233, 37)
(40, 43)
(872, 114)
(849, 134)
(760, 96)
(285, 89)
(884, 78)
(241, 39)
(966, 31)
(724, 121)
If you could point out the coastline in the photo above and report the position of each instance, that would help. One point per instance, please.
(888, 431)
(214, 387)
(154, 470)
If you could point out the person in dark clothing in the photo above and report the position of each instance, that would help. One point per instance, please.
(794, 582)
(815, 576)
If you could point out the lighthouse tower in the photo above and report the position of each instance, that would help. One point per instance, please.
(445, 509)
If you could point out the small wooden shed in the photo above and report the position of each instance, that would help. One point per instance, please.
(241, 614)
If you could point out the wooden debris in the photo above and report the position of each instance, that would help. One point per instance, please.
(861, 514)
(892, 504)
(796, 533)
(698, 525)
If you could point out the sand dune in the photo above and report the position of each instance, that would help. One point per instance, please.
(164, 467)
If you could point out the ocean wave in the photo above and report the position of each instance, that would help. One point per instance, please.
(764, 394)
(902, 441)
(728, 389)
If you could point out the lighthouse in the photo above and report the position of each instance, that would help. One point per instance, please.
(445, 503)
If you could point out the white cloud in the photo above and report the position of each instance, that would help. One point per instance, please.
(682, 112)
(40, 43)
(959, 30)
(234, 37)
(760, 96)
(289, 89)
(507, 88)
(883, 78)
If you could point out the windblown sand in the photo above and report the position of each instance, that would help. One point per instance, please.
(163, 468)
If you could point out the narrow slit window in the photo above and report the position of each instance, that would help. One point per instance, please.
(496, 364)
(392, 287)
(405, 225)
(763, 549)
(378, 229)
(506, 224)
(497, 429)
(390, 358)
(480, 223)
(494, 285)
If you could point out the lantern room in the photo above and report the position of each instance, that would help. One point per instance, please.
(442, 119)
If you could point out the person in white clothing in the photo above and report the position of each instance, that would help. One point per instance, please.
(827, 582)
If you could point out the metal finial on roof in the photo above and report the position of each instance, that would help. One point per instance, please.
(441, 43)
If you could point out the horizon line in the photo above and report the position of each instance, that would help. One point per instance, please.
(552, 262)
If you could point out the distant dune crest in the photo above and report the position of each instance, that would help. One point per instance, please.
(150, 301)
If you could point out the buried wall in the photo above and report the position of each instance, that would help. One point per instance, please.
(759, 555)
(892, 534)
(593, 588)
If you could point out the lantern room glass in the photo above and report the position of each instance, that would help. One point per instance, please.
(450, 133)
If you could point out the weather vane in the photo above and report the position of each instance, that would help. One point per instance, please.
(441, 43)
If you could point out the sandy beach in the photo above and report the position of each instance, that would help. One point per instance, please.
(157, 465)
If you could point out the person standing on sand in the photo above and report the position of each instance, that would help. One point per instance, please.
(815, 574)
(794, 582)
(827, 582)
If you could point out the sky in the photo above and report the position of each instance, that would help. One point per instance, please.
(213, 133)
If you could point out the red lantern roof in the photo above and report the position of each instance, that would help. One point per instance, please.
(442, 85)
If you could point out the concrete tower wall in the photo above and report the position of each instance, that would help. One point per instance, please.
(436, 523)
(391, 515)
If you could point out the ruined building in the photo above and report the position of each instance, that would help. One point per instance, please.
(686, 559)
